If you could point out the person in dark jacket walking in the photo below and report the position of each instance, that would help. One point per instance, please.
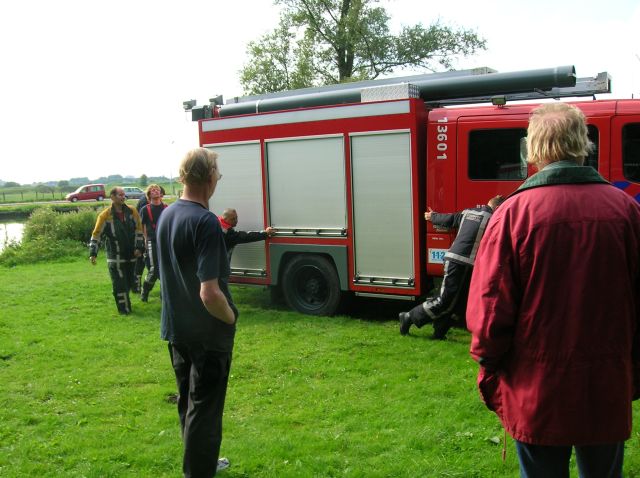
(228, 221)
(458, 265)
(121, 230)
(144, 259)
(149, 215)
(554, 307)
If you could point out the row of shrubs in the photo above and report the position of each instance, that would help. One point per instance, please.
(51, 236)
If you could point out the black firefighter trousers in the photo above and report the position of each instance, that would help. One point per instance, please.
(202, 377)
(121, 272)
(152, 266)
(451, 300)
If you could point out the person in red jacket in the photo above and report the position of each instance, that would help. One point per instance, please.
(554, 307)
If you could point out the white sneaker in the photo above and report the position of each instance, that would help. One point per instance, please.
(223, 464)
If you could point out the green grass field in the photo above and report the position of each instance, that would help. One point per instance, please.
(11, 212)
(85, 392)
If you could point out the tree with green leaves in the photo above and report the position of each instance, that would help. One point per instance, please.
(321, 42)
(65, 187)
(43, 188)
(144, 181)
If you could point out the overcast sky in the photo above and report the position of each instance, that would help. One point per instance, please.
(96, 88)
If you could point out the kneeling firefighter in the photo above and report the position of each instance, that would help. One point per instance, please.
(458, 265)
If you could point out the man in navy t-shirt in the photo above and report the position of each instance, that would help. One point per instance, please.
(198, 314)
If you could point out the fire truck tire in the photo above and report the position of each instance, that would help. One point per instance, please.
(311, 286)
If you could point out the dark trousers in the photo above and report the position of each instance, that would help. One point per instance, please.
(451, 300)
(122, 280)
(595, 461)
(201, 376)
(152, 266)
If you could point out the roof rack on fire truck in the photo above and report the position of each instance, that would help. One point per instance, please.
(586, 86)
(436, 89)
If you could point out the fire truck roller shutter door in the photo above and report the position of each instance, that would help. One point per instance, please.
(307, 183)
(382, 207)
(241, 189)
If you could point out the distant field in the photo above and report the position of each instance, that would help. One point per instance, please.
(38, 193)
(22, 210)
(28, 194)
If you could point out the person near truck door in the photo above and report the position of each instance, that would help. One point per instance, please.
(232, 238)
(119, 226)
(458, 265)
(149, 216)
(198, 315)
(554, 307)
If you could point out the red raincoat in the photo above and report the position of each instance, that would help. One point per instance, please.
(554, 310)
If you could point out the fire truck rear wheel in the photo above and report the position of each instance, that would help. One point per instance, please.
(311, 285)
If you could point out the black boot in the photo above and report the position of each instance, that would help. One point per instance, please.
(441, 327)
(416, 316)
(419, 316)
(122, 302)
(123, 309)
(135, 287)
(146, 288)
(405, 322)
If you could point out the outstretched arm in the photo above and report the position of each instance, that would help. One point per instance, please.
(233, 237)
(446, 221)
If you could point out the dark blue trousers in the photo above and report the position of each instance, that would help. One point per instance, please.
(594, 461)
(201, 376)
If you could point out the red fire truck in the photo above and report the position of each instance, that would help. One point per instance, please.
(345, 173)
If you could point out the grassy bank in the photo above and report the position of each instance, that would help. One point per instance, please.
(23, 211)
(86, 392)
